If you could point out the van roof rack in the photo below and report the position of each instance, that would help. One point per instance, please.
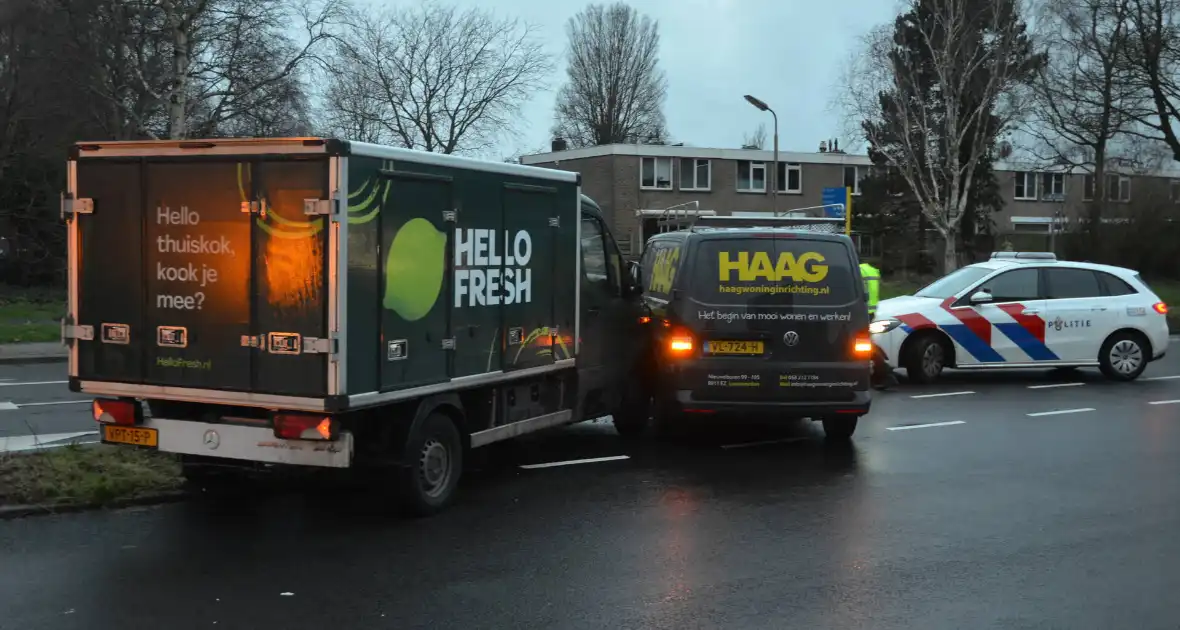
(1023, 256)
(800, 223)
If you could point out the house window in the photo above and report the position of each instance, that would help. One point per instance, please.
(1026, 186)
(655, 173)
(852, 178)
(751, 176)
(1053, 186)
(694, 174)
(1118, 188)
(790, 178)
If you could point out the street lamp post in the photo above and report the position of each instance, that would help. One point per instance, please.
(773, 174)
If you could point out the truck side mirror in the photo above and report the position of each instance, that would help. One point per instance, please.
(636, 273)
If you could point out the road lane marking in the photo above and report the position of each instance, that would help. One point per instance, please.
(764, 442)
(33, 383)
(1055, 385)
(7, 406)
(1059, 412)
(11, 406)
(942, 394)
(571, 462)
(1163, 378)
(1165, 402)
(925, 426)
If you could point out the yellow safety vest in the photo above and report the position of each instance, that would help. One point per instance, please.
(872, 280)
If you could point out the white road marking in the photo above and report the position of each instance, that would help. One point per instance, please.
(571, 462)
(924, 426)
(7, 406)
(19, 443)
(1055, 385)
(943, 394)
(53, 402)
(764, 442)
(1165, 402)
(33, 383)
(1163, 378)
(1059, 412)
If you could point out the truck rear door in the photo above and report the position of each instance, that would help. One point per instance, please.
(202, 272)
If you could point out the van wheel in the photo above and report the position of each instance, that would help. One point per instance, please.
(428, 480)
(1123, 356)
(840, 429)
(925, 359)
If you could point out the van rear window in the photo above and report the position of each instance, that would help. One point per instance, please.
(773, 272)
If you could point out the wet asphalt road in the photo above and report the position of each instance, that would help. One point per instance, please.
(1005, 520)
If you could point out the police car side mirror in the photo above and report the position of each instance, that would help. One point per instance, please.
(981, 297)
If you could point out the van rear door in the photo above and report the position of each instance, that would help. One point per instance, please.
(777, 316)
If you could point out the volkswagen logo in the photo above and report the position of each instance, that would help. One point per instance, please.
(212, 440)
(791, 338)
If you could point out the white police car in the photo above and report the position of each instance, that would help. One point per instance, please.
(1024, 310)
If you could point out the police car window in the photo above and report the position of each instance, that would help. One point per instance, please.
(1114, 285)
(594, 254)
(1065, 284)
(773, 272)
(954, 282)
(1013, 286)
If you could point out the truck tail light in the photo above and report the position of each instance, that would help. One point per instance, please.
(108, 411)
(1160, 308)
(294, 426)
(862, 347)
(680, 343)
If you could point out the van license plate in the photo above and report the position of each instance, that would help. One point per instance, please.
(130, 435)
(733, 347)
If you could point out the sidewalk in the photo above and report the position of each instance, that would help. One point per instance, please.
(46, 352)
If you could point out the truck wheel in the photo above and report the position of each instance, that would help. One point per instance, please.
(635, 416)
(1123, 357)
(840, 429)
(429, 479)
(925, 359)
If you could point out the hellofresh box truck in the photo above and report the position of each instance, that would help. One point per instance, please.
(318, 302)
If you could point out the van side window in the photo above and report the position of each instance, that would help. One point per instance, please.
(594, 268)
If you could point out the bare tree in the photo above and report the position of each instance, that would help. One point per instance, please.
(433, 77)
(615, 90)
(756, 139)
(1153, 66)
(935, 91)
(1082, 101)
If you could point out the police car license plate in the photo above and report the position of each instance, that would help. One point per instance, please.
(733, 347)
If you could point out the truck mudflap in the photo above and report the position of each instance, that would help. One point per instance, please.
(249, 443)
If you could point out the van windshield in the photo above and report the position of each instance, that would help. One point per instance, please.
(784, 271)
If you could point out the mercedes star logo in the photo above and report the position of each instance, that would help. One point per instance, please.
(791, 338)
(212, 440)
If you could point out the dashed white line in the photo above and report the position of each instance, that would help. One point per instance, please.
(33, 383)
(764, 442)
(925, 426)
(942, 394)
(1058, 412)
(53, 402)
(571, 462)
(1165, 402)
(1055, 385)
(7, 406)
(1163, 378)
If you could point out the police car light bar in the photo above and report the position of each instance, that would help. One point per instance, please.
(1025, 255)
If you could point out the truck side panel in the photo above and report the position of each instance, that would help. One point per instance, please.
(527, 274)
(367, 193)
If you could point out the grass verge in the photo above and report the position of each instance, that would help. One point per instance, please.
(28, 315)
(93, 475)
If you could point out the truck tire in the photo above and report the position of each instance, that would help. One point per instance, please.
(1123, 356)
(840, 429)
(925, 359)
(634, 418)
(428, 480)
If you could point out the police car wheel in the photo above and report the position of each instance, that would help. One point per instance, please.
(925, 360)
(1123, 357)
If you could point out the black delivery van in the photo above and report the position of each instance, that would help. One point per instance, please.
(756, 317)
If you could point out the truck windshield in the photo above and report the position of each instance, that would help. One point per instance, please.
(767, 271)
(954, 282)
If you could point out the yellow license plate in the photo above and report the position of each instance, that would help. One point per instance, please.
(733, 347)
(130, 435)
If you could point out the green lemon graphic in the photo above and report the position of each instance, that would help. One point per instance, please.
(414, 269)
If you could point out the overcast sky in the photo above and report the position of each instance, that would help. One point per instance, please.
(789, 53)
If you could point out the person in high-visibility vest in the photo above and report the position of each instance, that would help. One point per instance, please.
(882, 376)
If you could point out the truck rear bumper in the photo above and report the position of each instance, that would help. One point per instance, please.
(256, 444)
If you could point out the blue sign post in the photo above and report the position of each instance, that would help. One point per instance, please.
(835, 202)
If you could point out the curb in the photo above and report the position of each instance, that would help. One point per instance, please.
(33, 352)
(20, 511)
(15, 360)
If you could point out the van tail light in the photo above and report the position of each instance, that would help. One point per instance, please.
(1160, 308)
(109, 411)
(680, 343)
(296, 426)
(862, 348)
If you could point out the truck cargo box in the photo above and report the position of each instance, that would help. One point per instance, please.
(313, 274)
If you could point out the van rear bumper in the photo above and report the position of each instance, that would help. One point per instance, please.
(858, 405)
